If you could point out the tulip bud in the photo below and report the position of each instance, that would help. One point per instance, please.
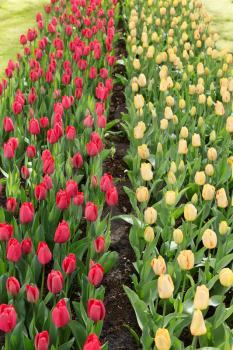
(170, 198)
(212, 136)
(194, 198)
(60, 314)
(55, 281)
(212, 154)
(209, 239)
(92, 342)
(201, 299)
(139, 130)
(12, 286)
(182, 147)
(223, 227)
(229, 124)
(184, 133)
(42, 341)
(143, 151)
(162, 339)
(190, 212)
(149, 234)
(171, 178)
(150, 215)
(96, 274)
(186, 259)
(32, 293)
(158, 265)
(142, 194)
(209, 170)
(196, 140)
(8, 318)
(99, 244)
(96, 310)
(146, 171)
(178, 236)
(165, 286)
(226, 277)
(221, 198)
(208, 192)
(139, 101)
(198, 327)
(200, 178)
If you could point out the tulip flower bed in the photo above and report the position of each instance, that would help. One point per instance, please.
(54, 239)
(179, 124)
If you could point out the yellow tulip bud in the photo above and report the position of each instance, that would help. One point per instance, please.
(186, 259)
(209, 170)
(201, 299)
(149, 234)
(200, 178)
(221, 198)
(229, 124)
(226, 277)
(150, 215)
(142, 80)
(209, 239)
(219, 108)
(208, 192)
(194, 198)
(182, 147)
(139, 101)
(158, 265)
(139, 130)
(165, 286)
(184, 133)
(142, 194)
(223, 227)
(212, 154)
(212, 136)
(159, 147)
(190, 212)
(170, 198)
(196, 140)
(171, 178)
(163, 124)
(178, 236)
(198, 327)
(162, 339)
(136, 64)
(143, 151)
(146, 171)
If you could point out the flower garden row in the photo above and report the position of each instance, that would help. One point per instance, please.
(180, 124)
(54, 239)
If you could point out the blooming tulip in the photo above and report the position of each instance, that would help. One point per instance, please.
(198, 327)
(42, 341)
(95, 310)
(165, 286)
(7, 318)
(12, 286)
(32, 293)
(55, 281)
(60, 314)
(92, 343)
(95, 274)
(162, 339)
(44, 254)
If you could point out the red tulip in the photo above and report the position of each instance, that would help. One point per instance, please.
(44, 254)
(44, 122)
(112, 196)
(72, 188)
(12, 286)
(60, 314)
(99, 244)
(24, 172)
(96, 274)
(47, 181)
(40, 192)
(26, 213)
(42, 341)
(79, 198)
(31, 151)
(26, 246)
(106, 182)
(13, 250)
(8, 318)
(69, 263)
(62, 199)
(96, 310)
(8, 124)
(32, 293)
(91, 212)
(6, 231)
(70, 132)
(77, 160)
(62, 233)
(92, 343)
(55, 281)
(11, 205)
(34, 127)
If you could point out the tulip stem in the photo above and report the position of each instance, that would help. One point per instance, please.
(194, 343)
(57, 342)
(182, 292)
(164, 312)
(42, 282)
(7, 341)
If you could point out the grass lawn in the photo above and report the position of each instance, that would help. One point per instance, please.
(16, 16)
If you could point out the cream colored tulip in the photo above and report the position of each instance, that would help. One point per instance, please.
(162, 339)
(165, 286)
(158, 265)
(201, 298)
(190, 212)
(221, 198)
(198, 326)
(209, 239)
(186, 259)
(150, 215)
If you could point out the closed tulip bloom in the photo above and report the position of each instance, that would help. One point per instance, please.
(196, 140)
(182, 147)
(40, 192)
(99, 244)
(178, 236)
(26, 213)
(221, 198)
(139, 130)
(62, 233)
(208, 192)
(6, 231)
(139, 101)
(44, 254)
(26, 246)
(186, 259)
(162, 339)
(111, 196)
(165, 286)
(72, 188)
(209, 239)
(13, 250)
(55, 281)
(106, 182)
(146, 171)
(198, 327)
(69, 264)
(149, 234)
(190, 212)
(212, 154)
(78, 199)
(226, 277)
(62, 199)
(96, 310)
(91, 211)
(60, 314)
(12, 286)
(150, 215)
(32, 293)
(158, 265)
(142, 194)
(223, 227)
(219, 108)
(42, 341)
(229, 124)
(201, 299)
(200, 178)
(170, 197)
(92, 343)
(8, 318)
(11, 205)
(96, 274)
